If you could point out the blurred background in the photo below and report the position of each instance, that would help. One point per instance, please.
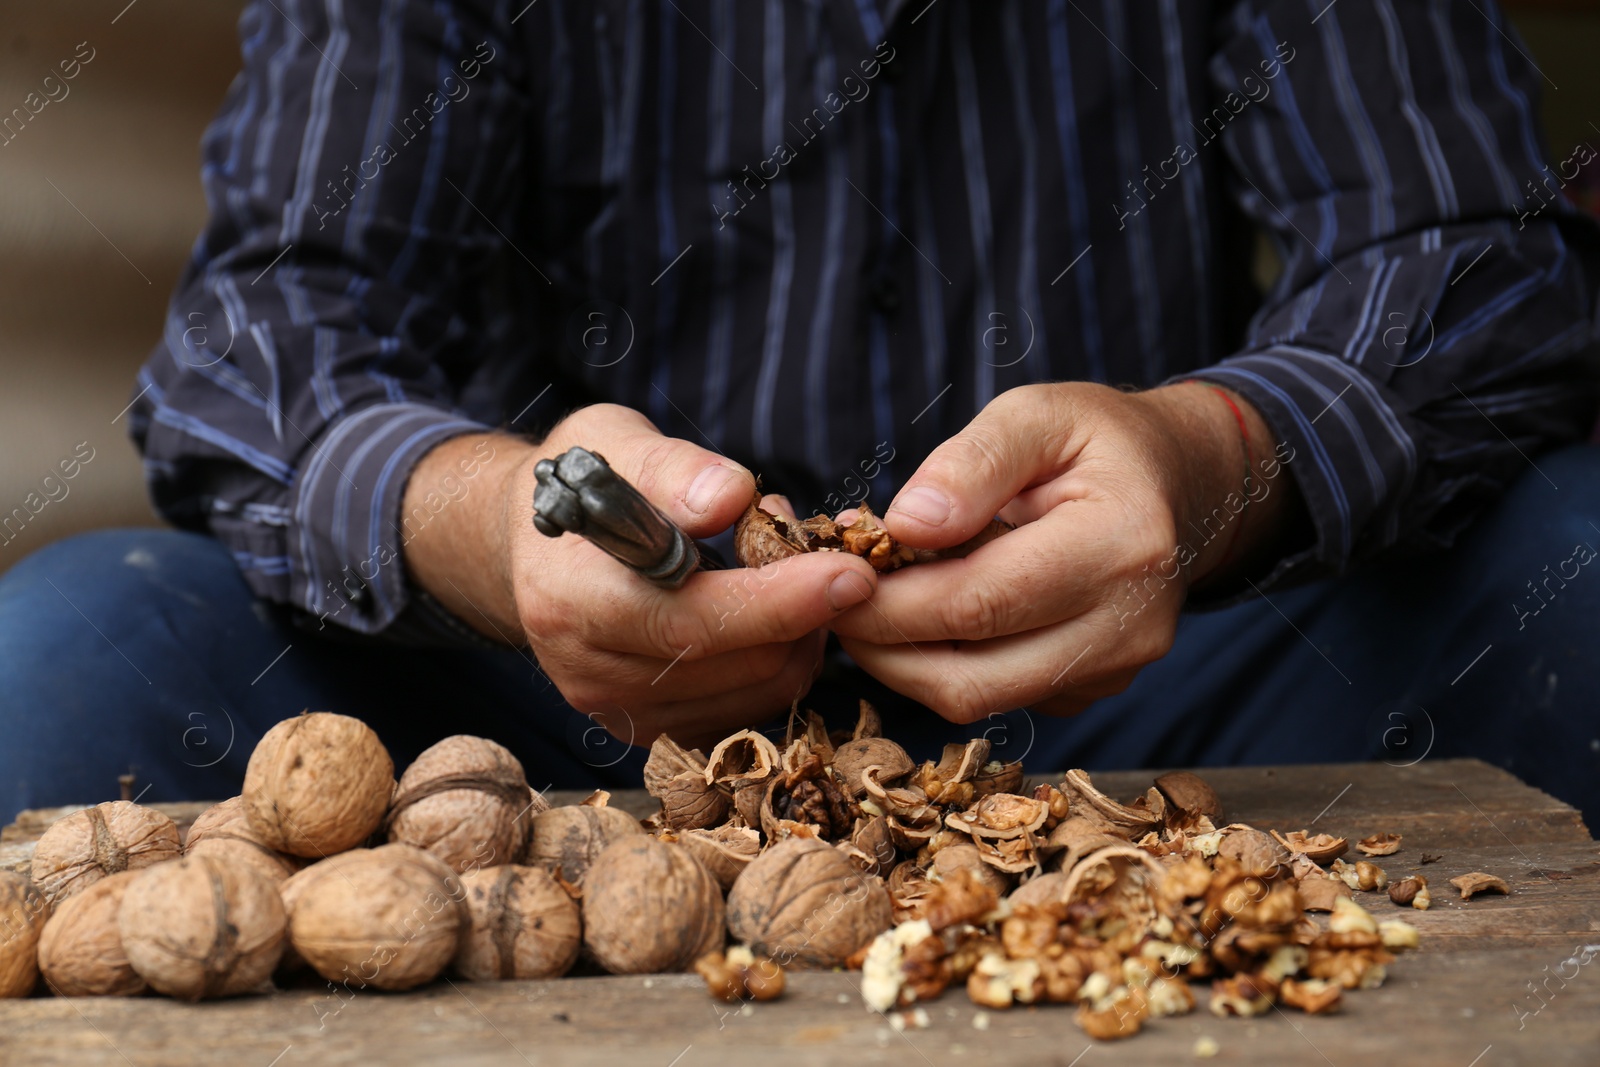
(100, 201)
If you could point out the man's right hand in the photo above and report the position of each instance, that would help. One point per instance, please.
(727, 649)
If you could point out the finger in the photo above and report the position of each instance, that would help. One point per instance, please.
(777, 504)
(1039, 574)
(704, 722)
(964, 682)
(598, 676)
(699, 490)
(1013, 442)
(719, 611)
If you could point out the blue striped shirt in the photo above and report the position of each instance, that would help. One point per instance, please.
(820, 235)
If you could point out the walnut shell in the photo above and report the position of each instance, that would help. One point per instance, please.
(725, 851)
(318, 784)
(803, 902)
(1190, 799)
(521, 924)
(567, 840)
(465, 800)
(650, 907)
(947, 861)
(390, 917)
(80, 951)
(199, 928)
(676, 776)
(853, 757)
(224, 830)
(79, 850)
(1254, 850)
(24, 911)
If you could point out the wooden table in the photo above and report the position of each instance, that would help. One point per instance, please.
(1466, 999)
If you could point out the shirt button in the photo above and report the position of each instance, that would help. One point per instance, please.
(886, 296)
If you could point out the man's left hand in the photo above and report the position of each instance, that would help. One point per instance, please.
(1111, 493)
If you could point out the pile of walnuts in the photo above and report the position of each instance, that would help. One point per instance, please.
(831, 850)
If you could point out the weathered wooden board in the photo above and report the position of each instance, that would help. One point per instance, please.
(1498, 981)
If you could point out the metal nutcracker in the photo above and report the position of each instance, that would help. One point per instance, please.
(579, 493)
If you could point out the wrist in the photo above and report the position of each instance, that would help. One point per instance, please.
(457, 535)
(1228, 515)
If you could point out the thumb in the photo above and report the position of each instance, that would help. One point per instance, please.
(967, 480)
(702, 492)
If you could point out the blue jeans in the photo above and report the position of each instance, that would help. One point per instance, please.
(144, 649)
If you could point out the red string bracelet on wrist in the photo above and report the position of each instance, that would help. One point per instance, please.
(1249, 463)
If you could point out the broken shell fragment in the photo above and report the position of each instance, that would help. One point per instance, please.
(1322, 848)
(1478, 882)
(1379, 844)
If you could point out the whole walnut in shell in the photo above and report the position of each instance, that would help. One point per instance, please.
(200, 927)
(82, 848)
(23, 913)
(521, 924)
(318, 784)
(803, 902)
(649, 907)
(388, 917)
(223, 830)
(465, 800)
(80, 951)
(566, 840)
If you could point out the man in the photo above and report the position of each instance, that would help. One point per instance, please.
(862, 249)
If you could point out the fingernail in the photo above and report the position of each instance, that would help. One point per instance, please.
(924, 504)
(847, 590)
(707, 486)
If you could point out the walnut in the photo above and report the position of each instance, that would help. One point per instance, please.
(676, 776)
(1242, 994)
(566, 840)
(740, 974)
(390, 917)
(82, 848)
(803, 902)
(651, 907)
(1321, 848)
(318, 784)
(853, 757)
(725, 851)
(1314, 996)
(1041, 889)
(808, 795)
(80, 951)
(1411, 892)
(967, 858)
(1478, 882)
(1321, 893)
(201, 927)
(224, 830)
(1191, 802)
(521, 924)
(1119, 1013)
(1379, 844)
(761, 537)
(464, 799)
(24, 912)
(1127, 882)
(1254, 850)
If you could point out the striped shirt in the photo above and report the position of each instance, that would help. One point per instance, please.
(820, 235)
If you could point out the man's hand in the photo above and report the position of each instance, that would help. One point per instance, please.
(725, 650)
(1122, 500)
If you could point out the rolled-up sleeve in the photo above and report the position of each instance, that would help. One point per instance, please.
(360, 179)
(1433, 328)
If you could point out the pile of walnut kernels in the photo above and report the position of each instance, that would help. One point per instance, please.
(828, 851)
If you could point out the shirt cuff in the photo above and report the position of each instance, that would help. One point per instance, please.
(1352, 457)
(346, 537)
